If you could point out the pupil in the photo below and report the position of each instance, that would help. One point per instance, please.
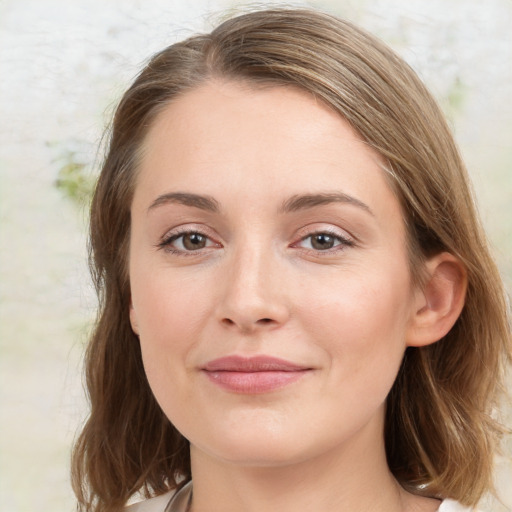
(323, 241)
(194, 241)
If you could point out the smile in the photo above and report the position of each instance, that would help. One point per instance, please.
(253, 375)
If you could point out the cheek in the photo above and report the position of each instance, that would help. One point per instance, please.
(361, 324)
(170, 315)
(357, 306)
(169, 324)
(168, 308)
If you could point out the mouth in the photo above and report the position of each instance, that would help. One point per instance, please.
(253, 375)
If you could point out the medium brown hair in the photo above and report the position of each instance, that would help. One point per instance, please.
(440, 434)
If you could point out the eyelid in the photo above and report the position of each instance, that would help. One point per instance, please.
(319, 228)
(345, 240)
(175, 233)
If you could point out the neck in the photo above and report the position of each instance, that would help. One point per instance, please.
(353, 477)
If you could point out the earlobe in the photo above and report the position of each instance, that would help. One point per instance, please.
(439, 303)
(133, 319)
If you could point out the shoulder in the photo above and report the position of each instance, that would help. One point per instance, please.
(157, 504)
(453, 506)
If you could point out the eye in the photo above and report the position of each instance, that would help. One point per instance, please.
(186, 242)
(325, 241)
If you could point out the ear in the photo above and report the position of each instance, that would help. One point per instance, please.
(133, 319)
(439, 303)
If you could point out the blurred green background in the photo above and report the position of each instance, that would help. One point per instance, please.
(63, 66)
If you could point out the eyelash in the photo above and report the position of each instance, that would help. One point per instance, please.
(166, 242)
(344, 242)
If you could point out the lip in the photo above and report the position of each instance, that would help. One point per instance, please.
(253, 375)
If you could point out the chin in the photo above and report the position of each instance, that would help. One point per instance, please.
(253, 445)
(256, 454)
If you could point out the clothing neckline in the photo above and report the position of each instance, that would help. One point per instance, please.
(181, 500)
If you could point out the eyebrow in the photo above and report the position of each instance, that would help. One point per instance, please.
(293, 204)
(306, 201)
(207, 203)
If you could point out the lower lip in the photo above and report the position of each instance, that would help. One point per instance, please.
(254, 382)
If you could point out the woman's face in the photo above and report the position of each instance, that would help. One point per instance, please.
(269, 275)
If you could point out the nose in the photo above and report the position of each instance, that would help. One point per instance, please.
(253, 294)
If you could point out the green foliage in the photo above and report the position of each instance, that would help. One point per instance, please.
(75, 179)
(454, 102)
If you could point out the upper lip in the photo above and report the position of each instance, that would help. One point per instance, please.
(259, 363)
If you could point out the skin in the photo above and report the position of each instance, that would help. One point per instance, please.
(259, 283)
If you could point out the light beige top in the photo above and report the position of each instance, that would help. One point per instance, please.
(179, 502)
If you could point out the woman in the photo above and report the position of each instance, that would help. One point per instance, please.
(298, 309)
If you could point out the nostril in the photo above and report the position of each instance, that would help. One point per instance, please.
(229, 321)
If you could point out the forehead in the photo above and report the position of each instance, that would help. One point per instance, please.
(230, 139)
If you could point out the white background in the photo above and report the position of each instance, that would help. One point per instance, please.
(63, 65)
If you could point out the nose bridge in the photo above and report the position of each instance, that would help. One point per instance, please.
(253, 294)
